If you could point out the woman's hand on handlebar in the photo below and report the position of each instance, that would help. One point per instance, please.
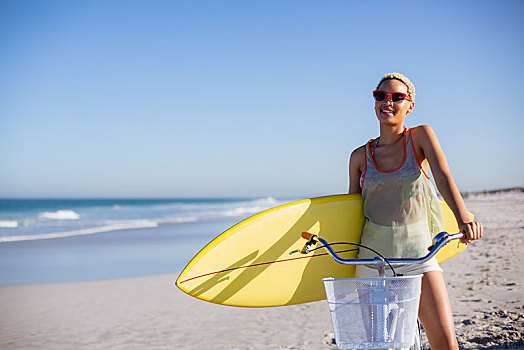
(471, 230)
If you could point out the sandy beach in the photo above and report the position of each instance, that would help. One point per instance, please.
(485, 286)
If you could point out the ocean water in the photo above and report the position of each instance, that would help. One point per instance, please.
(43, 241)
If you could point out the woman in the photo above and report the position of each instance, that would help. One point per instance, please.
(401, 207)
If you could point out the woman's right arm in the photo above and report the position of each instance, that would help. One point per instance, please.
(357, 163)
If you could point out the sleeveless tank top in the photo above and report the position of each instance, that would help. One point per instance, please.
(401, 207)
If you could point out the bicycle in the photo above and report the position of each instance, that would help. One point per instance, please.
(380, 312)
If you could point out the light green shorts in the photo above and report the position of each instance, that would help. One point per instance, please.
(406, 270)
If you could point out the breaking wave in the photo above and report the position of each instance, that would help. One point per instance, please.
(96, 216)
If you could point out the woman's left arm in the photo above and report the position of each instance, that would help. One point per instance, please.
(427, 144)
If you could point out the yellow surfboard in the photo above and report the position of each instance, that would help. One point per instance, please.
(249, 264)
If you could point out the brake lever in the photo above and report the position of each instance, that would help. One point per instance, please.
(310, 243)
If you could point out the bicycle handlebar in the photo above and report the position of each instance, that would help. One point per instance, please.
(439, 240)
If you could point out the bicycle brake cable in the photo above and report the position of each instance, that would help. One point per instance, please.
(358, 245)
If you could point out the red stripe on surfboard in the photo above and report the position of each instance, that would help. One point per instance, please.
(260, 264)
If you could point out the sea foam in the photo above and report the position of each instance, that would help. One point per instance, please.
(59, 215)
(8, 223)
(88, 231)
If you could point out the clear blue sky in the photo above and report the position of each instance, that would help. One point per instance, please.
(247, 98)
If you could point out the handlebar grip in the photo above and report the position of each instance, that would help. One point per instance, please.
(307, 235)
(443, 236)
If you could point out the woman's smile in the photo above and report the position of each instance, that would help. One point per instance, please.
(387, 111)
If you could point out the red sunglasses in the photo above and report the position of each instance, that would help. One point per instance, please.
(381, 95)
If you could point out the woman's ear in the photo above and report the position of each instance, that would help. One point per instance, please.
(411, 106)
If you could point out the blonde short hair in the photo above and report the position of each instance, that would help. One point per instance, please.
(402, 78)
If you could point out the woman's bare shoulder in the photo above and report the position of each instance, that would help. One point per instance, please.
(357, 161)
(422, 131)
(359, 154)
(423, 135)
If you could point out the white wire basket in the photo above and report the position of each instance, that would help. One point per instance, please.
(374, 313)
